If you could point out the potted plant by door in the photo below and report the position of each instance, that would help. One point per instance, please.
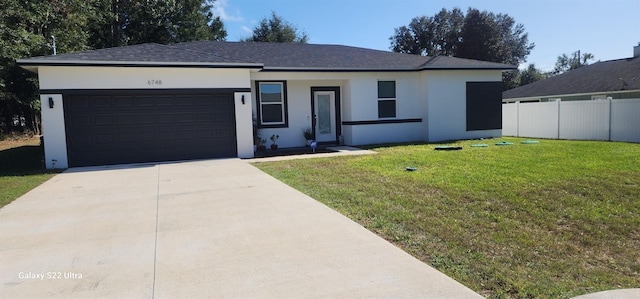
(308, 135)
(262, 144)
(274, 139)
(257, 139)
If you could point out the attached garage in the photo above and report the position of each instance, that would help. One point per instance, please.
(131, 126)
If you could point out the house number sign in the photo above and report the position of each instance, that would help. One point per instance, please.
(154, 82)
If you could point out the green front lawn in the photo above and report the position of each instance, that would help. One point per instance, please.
(550, 220)
(20, 168)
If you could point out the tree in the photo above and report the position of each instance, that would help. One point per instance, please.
(478, 35)
(566, 63)
(277, 30)
(490, 37)
(218, 31)
(531, 74)
(133, 22)
(26, 29)
(432, 36)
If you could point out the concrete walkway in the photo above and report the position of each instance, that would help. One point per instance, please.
(201, 229)
(339, 151)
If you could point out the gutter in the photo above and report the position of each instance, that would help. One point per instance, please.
(319, 69)
(30, 63)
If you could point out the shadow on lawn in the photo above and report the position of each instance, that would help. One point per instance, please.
(291, 152)
(22, 160)
(444, 142)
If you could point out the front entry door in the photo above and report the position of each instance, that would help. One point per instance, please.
(325, 116)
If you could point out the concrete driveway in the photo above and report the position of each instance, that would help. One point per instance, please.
(202, 229)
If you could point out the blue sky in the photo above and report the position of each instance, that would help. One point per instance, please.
(607, 29)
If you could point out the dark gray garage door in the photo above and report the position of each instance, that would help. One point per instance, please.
(116, 127)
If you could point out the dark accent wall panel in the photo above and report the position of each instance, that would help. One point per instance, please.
(381, 121)
(484, 106)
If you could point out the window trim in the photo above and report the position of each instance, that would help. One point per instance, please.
(285, 107)
(394, 99)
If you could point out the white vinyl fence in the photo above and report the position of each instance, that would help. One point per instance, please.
(615, 120)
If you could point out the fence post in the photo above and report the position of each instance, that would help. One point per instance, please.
(558, 102)
(610, 115)
(517, 118)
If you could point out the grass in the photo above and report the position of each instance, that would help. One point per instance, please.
(20, 167)
(550, 220)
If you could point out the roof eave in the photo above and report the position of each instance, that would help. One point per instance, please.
(569, 95)
(355, 69)
(535, 97)
(336, 69)
(467, 68)
(30, 64)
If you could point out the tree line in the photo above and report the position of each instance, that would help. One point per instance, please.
(27, 29)
(481, 35)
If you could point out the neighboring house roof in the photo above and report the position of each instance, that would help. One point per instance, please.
(605, 76)
(267, 56)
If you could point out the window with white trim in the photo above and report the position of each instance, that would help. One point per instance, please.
(386, 99)
(272, 103)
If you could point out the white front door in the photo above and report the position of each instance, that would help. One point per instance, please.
(325, 116)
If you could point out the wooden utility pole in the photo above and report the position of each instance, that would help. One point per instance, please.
(579, 63)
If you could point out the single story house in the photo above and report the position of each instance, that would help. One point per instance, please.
(197, 100)
(614, 79)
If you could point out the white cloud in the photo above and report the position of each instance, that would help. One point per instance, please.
(246, 29)
(219, 10)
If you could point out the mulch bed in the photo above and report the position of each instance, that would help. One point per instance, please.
(291, 151)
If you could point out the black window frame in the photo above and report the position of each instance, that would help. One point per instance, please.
(384, 100)
(285, 112)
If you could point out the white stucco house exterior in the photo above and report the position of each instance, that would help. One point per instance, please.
(196, 100)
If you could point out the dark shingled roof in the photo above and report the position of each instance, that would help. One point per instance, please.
(151, 53)
(267, 56)
(612, 75)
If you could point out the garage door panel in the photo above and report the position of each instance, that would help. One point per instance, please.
(186, 117)
(97, 102)
(122, 102)
(125, 120)
(79, 120)
(103, 120)
(167, 118)
(163, 101)
(115, 129)
(144, 101)
(205, 116)
(145, 119)
(104, 138)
